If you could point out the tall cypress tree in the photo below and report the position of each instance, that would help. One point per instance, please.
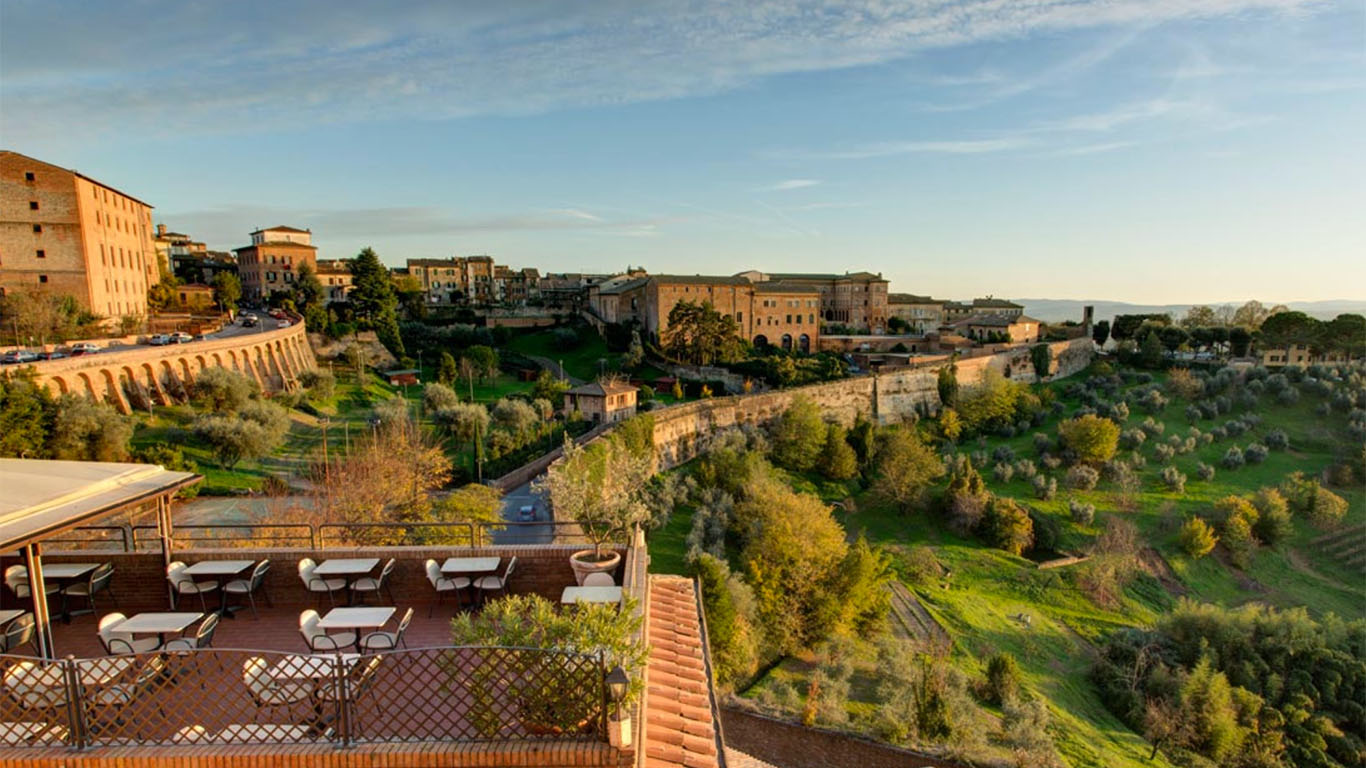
(374, 300)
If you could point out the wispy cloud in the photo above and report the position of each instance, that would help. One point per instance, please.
(320, 61)
(1095, 149)
(790, 184)
(891, 148)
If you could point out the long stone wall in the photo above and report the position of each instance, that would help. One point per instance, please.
(273, 359)
(682, 431)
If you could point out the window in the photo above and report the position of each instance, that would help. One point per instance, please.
(28, 176)
(42, 254)
(33, 205)
(42, 278)
(739, 317)
(37, 229)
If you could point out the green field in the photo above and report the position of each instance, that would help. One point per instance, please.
(586, 361)
(984, 603)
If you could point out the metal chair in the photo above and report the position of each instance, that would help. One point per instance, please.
(267, 693)
(116, 642)
(317, 639)
(16, 578)
(495, 583)
(183, 584)
(365, 585)
(250, 585)
(203, 637)
(444, 584)
(99, 581)
(20, 632)
(381, 640)
(318, 585)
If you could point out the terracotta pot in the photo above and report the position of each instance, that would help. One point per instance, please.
(583, 565)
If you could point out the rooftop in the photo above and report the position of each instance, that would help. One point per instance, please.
(910, 298)
(699, 279)
(282, 228)
(76, 173)
(601, 389)
(784, 287)
(996, 303)
(861, 275)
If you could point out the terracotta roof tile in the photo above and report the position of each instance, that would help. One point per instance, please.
(678, 700)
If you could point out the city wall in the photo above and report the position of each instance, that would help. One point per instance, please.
(274, 359)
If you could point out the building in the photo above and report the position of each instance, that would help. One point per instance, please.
(1299, 354)
(66, 234)
(195, 298)
(780, 313)
(336, 278)
(854, 299)
(462, 279)
(272, 260)
(921, 314)
(620, 299)
(173, 247)
(994, 306)
(1018, 329)
(515, 286)
(602, 402)
(956, 310)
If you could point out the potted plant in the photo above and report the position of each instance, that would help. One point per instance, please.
(549, 663)
(602, 488)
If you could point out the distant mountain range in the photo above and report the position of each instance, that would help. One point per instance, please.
(1058, 310)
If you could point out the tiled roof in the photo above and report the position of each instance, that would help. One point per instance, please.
(864, 275)
(679, 728)
(611, 289)
(910, 298)
(781, 287)
(282, 228)
(997, 303)
(599, 389)
(700, 279)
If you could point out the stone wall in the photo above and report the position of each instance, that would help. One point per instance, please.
(795, 746)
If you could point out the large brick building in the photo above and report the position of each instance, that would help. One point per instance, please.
(921, 314)
(778, 312)
(460, 279)
(272, 261)
(66, 234)
(854, 299)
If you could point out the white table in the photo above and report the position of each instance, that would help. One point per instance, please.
(9, 615)
(363, 617)
(470, 564)
(94, 672)
(573, 595)
(160, 624)
(220, 571)
(307, 667)
(347, 568)
(66, 571)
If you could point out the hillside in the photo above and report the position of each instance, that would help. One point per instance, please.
(1059, 310)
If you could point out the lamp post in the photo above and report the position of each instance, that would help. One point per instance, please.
(619, 727)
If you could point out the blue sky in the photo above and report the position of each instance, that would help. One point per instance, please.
(1141, 150)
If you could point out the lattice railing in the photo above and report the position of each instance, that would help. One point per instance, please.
(224, 696)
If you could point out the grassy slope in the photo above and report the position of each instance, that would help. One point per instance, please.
(581, 362)
(988, 587)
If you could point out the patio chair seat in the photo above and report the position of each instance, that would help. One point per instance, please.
(115, 641)
(21, 733)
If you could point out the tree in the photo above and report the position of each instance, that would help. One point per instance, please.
(1252, 314)
(468, 423)
(950, 425)
(990, 403)
(445, 370)
(310, 297)
(515, 417)
(1207, 708)
(437, 397)
(411, 297)
(1344, 335)
(1199, 316)
(799, 435)
(1100, 332)
(472, 503)
(219, 390)
(1150, 353)
(1040, 356)
(601, 487)
(321, 385)
(730, 633)
(1126, 327)
(904, 468)
(227, 290)
(1008, 526)
(257, 430)
(1197, 538)
(1003, 678)
(635, 352)
(1286, 328)
(698, 334)
(25, 416)
(948, 385)
(547, 387)
(84, 430)
(837, 461)
(1273, 517)
(373, 300)
(483, 361)
(1238, 340)
(1093, 439)
(1173, 337)
(1183, 384)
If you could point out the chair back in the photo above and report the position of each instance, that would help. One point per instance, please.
(176, 570)
(508, 573)
(100, 578)
(254, 675)
(308, 625)
(16, 576)
(433, 571)
(403, 623)
(599, 580)
(258, 574)
(36, 687)
(204, 637)
(386, 570)
(20, 632)
(108, 631)
(306, 567)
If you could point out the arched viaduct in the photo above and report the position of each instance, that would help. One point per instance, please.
(128, 377)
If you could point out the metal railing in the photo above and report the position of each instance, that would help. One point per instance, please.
(229, 696)
(143, 538)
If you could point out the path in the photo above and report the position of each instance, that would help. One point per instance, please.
(912, 617)
(554, 367)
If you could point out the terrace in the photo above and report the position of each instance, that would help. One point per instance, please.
(258, 691)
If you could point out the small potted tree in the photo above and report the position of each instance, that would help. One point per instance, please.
(602, 488)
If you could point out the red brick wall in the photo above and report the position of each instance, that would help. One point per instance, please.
(794, 746)
(140, 581)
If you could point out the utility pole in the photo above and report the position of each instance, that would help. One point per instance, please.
(327, 466)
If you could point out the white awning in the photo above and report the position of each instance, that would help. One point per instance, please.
(40, 498)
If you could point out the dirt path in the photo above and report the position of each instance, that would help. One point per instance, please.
(1156, 566)
(1301, 564)
(910, 619)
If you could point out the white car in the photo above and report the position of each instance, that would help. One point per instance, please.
(159, 340)
(84, 348)
(282, 324)
(181, 337)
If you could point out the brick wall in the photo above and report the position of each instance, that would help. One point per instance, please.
(140, 581)
(794, 746)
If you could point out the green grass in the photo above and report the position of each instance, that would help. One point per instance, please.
(586, 361)
(988, 587)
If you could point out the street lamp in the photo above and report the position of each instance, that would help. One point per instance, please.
(619, 727)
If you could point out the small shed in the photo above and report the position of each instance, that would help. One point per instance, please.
(398, 378)
(602, 402)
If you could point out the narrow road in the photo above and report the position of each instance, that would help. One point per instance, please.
(554, 367)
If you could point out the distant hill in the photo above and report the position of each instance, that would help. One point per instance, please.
(1058, 310)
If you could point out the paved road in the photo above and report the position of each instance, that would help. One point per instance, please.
(524, 533)
(554, 368)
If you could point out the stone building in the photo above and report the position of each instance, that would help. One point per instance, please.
(461, 279)
(620, 299)
(1017, 329)
(601, 402)
(921, 314)
(855, 299)
(66, 234)
(194, 297)
(272, 260)
(335, 276)
(776, 312)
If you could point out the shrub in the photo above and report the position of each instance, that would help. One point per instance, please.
(1132, 438)
(1152, 427)
(1082, 477)
(1026, 469)
(1236, 534)
(1003, 454)
(1204, 471)
(1233, 458)
(437, 396)
(1007, 526)
(1288, 396)
(219, 390)
(1277, 440)
(1255, 453)
(799, 436)
(1273, 516)
(321, 385)
(838, 461)
(1174, 479)
(1164, 453)
(1234, 427)
(1082, 512)
(1193, 413)
(1092, 438)
(1003, 678)
(922, 567)
(1153, 402)
(1042, 443)
(1002, 473)
(1045, 488)
(1197, 538)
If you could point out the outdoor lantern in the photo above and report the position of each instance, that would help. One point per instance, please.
(617, 682)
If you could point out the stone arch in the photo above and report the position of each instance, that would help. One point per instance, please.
(132, 389)
(787, 342)
(186, 375)
(202, 365)
(761, 340)
(149, 373)
(804, 344)
(84, 378)
(62, 388)
(217, 360)
(112, 394)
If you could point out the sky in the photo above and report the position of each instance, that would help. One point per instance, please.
(1156, 151)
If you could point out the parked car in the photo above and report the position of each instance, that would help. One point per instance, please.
(282, 324)
(526, 514)
(249, 321)
(17, 356)
(55, 354)
(275, 313)
(181, 337)
(159, 340)
(84, 348)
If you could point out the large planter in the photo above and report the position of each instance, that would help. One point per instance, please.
(583, 564)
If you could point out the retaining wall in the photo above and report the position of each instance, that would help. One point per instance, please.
(795, 746)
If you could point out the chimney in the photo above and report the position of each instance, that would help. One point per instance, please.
(161, 230)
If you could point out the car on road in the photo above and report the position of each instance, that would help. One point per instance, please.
(526, 514)
(249, 321)
(282, 324)
(15, 356)
(55, 354)
(159, 340)
(275, 313)
(83, 348)
(181, 337)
